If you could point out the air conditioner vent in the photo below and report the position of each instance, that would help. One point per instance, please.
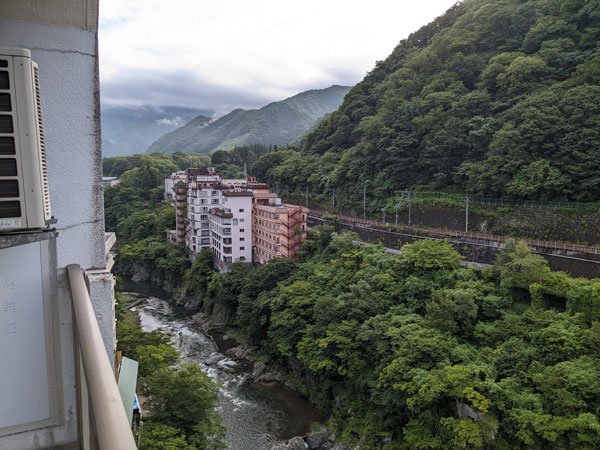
(42, 145)
(24, 191)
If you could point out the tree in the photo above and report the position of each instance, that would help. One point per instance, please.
(428, 255)
(185, 399)
(158, 436)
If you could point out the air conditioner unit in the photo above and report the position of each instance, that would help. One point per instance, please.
(24, 193)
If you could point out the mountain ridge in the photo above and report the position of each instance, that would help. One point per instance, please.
(492, 98)
(127, 130)
(277, 123)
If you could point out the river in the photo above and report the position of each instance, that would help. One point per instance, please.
(254, 414)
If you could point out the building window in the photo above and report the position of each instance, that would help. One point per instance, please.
(241, 239)
(228, 259)
(242, 249)
(235, 221)
(276, 216)
(241, 230)
(241, 209)
(241, 220)
(276, 249)
(276, 227)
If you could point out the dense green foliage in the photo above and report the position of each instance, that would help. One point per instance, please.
(401, 343)
(277, 123)
(230, 163)
(165, 164)
(499, 98)
(135, 209)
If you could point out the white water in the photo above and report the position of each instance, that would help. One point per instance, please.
(254, 414)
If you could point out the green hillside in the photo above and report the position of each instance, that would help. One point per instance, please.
(498, 98)
(277, 123)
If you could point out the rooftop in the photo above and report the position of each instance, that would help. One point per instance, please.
(238, 194)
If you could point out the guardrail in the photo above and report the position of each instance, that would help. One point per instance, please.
(102, 420)
(438, 232)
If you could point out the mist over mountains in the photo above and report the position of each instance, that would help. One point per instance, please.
(127, 130)
(277, 123)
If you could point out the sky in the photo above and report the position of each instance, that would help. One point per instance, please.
(225, 54)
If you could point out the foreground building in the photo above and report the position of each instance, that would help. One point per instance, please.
(57, 339)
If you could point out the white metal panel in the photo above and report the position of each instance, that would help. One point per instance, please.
(24, 393)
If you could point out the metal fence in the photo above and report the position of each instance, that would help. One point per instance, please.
(467, 236)
(338, 201)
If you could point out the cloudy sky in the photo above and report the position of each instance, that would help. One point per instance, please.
(225, 54)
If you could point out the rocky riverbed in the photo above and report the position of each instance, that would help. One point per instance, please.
(258, 406)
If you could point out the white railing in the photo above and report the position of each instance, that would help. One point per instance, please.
(102, 420)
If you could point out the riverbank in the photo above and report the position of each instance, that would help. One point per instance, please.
(225, 340)
(258, 412)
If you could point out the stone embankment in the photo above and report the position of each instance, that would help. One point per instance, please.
(318, 440)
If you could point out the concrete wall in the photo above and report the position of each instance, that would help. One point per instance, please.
(62, 37)
(235, 204)
(68, 64)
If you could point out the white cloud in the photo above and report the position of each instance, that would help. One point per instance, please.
(166, 122)
(265, 49)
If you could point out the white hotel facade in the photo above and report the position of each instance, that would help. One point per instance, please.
(218, 217)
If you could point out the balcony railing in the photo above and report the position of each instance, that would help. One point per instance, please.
(103, 423)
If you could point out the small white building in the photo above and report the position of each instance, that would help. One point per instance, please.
(170, 183)
(110, 181)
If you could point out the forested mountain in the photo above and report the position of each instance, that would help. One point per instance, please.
(500, 98)
(277, 123)
(131, 129)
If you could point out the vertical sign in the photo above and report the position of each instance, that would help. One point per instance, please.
(24, 393)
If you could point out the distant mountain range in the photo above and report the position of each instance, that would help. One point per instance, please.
(277, 123)
(131, 129)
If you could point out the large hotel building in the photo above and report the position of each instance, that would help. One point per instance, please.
(240, 220)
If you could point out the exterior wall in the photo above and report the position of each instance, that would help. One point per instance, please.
(170, 183)
(241, 232)
(62, 37)
(180, 219)
(275, 231)
(231, 231)
(200, 199)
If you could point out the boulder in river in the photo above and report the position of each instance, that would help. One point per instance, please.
(317, 439)
(295, 443)
(339, 447)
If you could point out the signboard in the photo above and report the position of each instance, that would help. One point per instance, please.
(24, 394)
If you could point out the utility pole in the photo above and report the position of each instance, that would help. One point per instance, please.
(333, 200)
(383, 215)
(397, 203)
(365, 201)
(409, 218)
(307, 195)
(467, 216)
